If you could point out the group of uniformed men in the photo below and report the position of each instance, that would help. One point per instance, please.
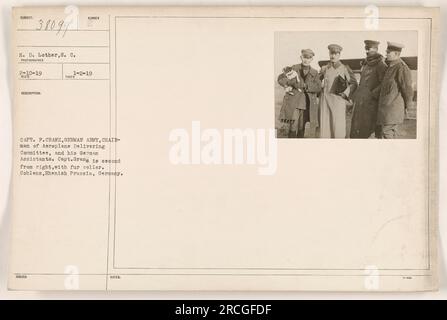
(380, 100)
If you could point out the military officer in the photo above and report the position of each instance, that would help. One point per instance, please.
(335, 75)
(396, 93)
(366, 97)
(305, 102)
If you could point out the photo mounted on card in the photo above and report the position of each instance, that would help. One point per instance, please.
(225, 148)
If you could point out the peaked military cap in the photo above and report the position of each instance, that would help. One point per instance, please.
(334, 48)
(394, 46)
(307, 53)
(372, 43)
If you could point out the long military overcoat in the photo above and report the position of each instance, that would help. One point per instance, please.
(396, 93)
(366, 97)
(333, 106)
(305, 97)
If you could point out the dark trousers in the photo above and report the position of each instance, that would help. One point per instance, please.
(298, 124)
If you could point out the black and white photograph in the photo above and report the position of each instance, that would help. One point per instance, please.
(346, 85)
(154, 151)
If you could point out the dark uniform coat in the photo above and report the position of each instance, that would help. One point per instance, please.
(366, 97)
(396, 94)
(305, 94)
(293, 99)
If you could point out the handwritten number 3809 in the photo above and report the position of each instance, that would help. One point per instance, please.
(53, 25)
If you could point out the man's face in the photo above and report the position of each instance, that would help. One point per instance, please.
(306, 60)
(334, 56)
(371, 51)
(392, 55)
